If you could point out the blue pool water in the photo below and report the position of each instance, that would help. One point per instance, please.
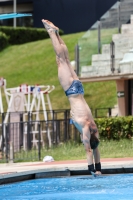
(112, 187)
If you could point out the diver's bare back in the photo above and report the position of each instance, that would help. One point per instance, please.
(80, 111)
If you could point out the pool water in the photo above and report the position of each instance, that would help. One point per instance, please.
(106, 187)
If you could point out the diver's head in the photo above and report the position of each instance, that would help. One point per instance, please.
(94, 141)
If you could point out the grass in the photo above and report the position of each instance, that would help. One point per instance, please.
(74, 151)
(116, 149)
(34, 63)
(108, 149)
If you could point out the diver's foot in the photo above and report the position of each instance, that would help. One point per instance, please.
(49, 25)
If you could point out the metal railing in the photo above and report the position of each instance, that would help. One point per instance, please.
(24, 140)
(51, 115)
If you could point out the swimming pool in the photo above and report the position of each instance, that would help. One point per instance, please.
(116, 187)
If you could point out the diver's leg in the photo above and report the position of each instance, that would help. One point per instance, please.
(64, 73)
(74, 75)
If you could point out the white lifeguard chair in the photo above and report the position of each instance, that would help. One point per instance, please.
(34, 102)
(27, 99)
(39, 102)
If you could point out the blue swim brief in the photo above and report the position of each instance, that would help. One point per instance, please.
(75, 88)
(71, 121)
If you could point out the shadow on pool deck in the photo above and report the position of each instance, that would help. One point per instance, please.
(13, 172)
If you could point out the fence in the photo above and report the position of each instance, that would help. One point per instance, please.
(25, 139)
(54, 114)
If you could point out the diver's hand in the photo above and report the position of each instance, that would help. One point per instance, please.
(95, 174)
(98, 173)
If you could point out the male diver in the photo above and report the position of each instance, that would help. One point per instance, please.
(80, 112)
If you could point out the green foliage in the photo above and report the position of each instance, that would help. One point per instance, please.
(21, 35)
(3, 40)
(115, 128)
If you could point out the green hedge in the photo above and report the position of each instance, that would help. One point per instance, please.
(21, 35)
(115, 128)
(3, 41)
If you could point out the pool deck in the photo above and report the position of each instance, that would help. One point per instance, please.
(108, 164)
(14, 172)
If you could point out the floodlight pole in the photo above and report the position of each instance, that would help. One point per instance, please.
(119, 16)
(14, 10)
(99, 37)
